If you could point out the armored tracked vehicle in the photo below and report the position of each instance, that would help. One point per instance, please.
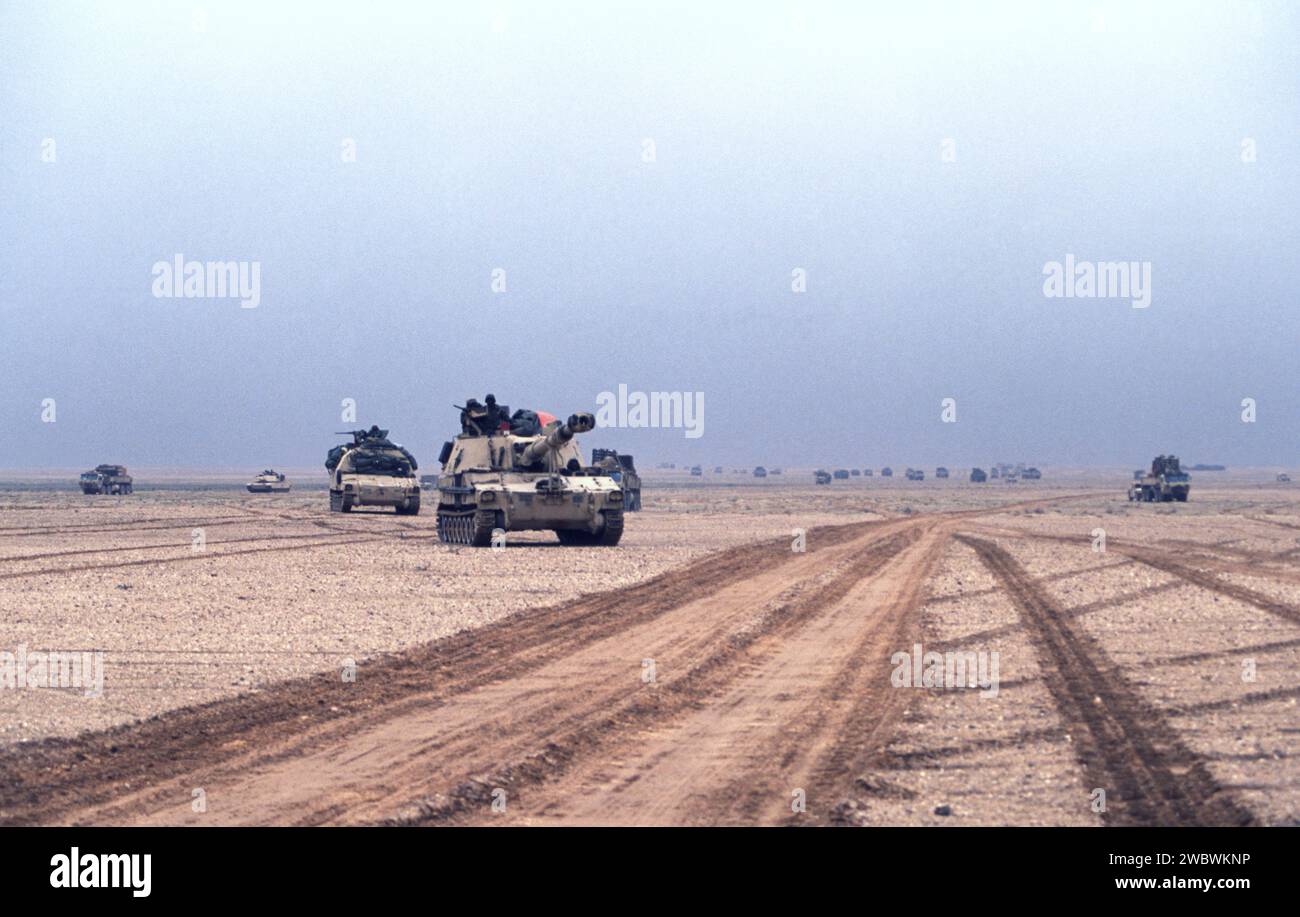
(822, 477)
(269, 482)
(886, 472)
(915, 474)
(977, 476)
(1164, 483)
(523, 478)
(760, 472)
(106, 479)
(941, 472)
(622, 469)
(372, 470)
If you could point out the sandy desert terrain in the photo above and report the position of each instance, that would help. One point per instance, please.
(703, 672)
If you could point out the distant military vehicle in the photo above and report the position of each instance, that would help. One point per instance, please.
(915, 474)
(841, 474)
(697, 471)
(372, 471)
(866, 472)
(623, 470)
(886, 472)
(269, 481)
(775, 471)
(978, 476)
(941, 472)
(106, 479)
(1284, 478)
(717, 469)
(1164, 483)
(428, 482)
(760, 472)
(523, 479)
(854, 472)
(1031, 474)
(822, 477)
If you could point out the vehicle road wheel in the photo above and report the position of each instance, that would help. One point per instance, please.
(336, 502)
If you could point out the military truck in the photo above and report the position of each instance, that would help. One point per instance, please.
(977, 476)
(372, 470)
(106, 479)
(521, 479)
(697, 471)
(941, 472)
(760, 472)
(886, 472)
(822, 477)
(1031, 474)
(914, 474)
(269, 481)
(1164, 483)
(841, 474)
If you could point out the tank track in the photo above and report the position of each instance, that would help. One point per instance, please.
(464, 527)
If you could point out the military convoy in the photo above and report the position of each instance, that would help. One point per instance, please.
(106, 479)
(269, 481)
(1164, 483)
(523, 474)
(372, 471)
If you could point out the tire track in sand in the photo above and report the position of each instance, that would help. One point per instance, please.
(1123, 744)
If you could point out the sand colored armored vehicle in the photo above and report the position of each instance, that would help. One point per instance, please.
(522, 478)
(977, 476)
(372, 470)
(822, 477)
(1164, 483)
(623, 470)
(269, 481)
(106, 479)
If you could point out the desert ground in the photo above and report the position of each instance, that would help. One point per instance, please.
(735, 660)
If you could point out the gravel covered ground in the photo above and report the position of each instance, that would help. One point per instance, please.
(196, 594)
(1138, 646)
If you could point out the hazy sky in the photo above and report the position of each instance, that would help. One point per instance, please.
(921, 162)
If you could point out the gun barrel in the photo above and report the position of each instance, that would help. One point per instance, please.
(577, 423)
